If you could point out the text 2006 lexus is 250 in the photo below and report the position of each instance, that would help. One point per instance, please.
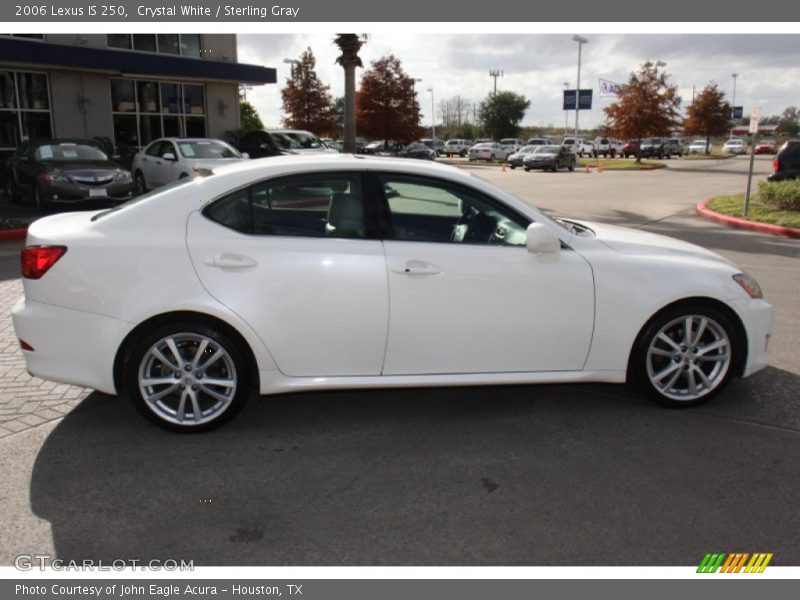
(323, 272)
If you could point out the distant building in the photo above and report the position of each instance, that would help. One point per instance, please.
(765, 130)
(129, 88)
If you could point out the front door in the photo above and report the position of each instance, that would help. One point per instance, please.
(465, 294)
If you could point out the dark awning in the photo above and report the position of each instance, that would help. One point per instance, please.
(34, 53)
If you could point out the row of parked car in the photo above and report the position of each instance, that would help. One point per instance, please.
(66, 172)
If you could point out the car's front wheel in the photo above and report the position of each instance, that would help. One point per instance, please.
(187, 377)
(684, 356)
(139, 184)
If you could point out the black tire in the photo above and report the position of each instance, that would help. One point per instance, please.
(555, 166)
(139, 183)
(491, 158)
(638, 375)
(134, 362)
(39, 201)
(571, 166)
(11, 192)
(527, 169)
(512, 167)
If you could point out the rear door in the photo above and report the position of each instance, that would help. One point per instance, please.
(294, 258)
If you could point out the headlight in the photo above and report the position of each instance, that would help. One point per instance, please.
(56, 176)
(749, 285)
(122, 176)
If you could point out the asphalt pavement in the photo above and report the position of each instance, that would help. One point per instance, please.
(522, 475)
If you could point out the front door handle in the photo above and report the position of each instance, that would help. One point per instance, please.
(417, 267)
(228, 260)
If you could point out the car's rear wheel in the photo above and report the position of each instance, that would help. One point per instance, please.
(187, 377)
(685, 356)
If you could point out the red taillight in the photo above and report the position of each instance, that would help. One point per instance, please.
(25, 345)
(776, 165)
(37, 260)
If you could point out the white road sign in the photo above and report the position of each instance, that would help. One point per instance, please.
(755, 116)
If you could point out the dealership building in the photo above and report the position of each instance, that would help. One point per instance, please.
(129, 88)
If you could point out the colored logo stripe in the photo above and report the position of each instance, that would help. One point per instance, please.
(734, 562)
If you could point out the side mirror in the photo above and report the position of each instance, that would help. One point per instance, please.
(245, 155)
(541, 240)
(168, 156)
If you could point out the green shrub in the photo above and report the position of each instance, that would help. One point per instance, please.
(784, 195)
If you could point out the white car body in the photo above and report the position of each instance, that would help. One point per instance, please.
(699, 147)
(735, 146)
(488, 151)
(457, 146)
(579, 146)
(314, 311)
(512, 145)
(151, 168)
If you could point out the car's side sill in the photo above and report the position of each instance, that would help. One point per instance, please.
(272, 382)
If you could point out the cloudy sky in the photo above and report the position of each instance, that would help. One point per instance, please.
(538, 65)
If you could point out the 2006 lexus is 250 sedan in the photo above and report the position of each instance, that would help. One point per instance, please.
(308, 273)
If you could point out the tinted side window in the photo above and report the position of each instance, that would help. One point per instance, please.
(427, 210)
(325, 205)
(153, 149)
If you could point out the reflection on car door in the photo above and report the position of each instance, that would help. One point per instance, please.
(292, 257)
(467, 297)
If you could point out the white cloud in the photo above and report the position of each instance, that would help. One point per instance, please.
(538, 65)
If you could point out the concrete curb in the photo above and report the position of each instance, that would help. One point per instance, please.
(13, 234)
(703, 211)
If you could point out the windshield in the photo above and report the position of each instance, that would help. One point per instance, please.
(527, 149)
(207, 149)
(546, 150)
(292, 140)
(68, 151)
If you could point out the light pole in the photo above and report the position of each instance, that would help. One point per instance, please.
(433, 118)
(581, 41)
(733, 108)
(495, 73)
(566, 111)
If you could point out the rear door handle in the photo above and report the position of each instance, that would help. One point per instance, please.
(417, 267)
(228, 260)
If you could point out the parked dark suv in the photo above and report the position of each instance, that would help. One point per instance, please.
(787, 163)
(258, 144)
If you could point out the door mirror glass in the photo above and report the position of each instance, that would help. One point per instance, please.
(169, 156)
(541, 240)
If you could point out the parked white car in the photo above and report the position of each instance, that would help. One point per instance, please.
(169, 159)
(457, 147)
(512, 144)
(580, 146)
(488, 151)
(699, 147)
(277, 276)
(735, 146)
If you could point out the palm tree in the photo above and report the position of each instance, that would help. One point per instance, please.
(349, 44)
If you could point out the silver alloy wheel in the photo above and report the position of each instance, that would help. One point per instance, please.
(187, 379)
(689, 357)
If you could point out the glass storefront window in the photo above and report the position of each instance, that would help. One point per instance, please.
(33, 91)
(147, 110)
(8, 95)
(119, 40)
(195, 127)
(24, 107)
(169, 43)
(125, 132)
(144, 42)
(36, 125)
(194, 102)
(147, 94)
(190, 45)
(122, 96)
